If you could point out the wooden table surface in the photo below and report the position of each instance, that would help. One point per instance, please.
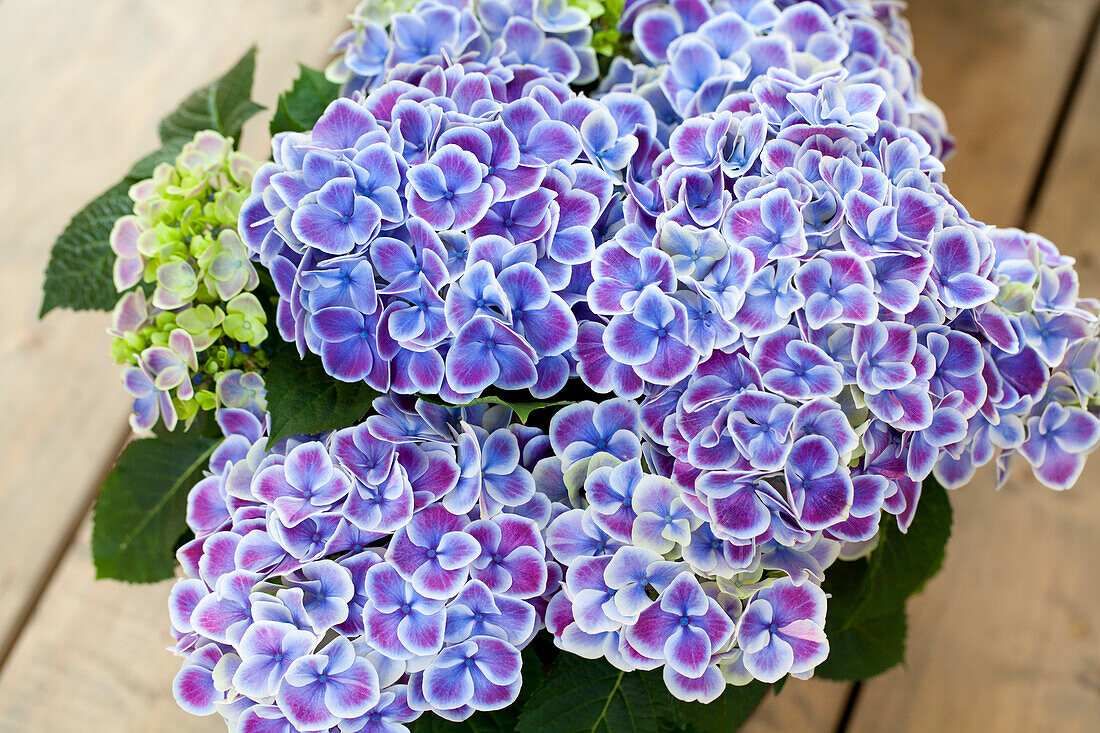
(1007, 638)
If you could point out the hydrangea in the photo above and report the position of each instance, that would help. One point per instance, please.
(194, 321)
(694, 56)
(340, 586)
(741, 246)
(817, 326)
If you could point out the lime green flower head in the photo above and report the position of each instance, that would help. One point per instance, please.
(245, 320)
(180, 249)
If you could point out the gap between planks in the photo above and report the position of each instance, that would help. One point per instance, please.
(27, 611)
(1070, 97)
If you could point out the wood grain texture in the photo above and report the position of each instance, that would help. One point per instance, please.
(1007, 638)
(94, 659)
(804, 706)
(63, 406)
(998, 69)
(82, 86)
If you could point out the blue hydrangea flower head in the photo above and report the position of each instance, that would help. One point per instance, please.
(737, 261)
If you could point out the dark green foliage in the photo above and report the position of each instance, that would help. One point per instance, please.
(591, 695)
(867, 647)
(140, 513)
(495, 721)
(144, 168)
(903, 563)
(866, 623)
(78, 275)
(726, 713)
(223, 105)
(303, 399)
(300, 107)
(523, 410)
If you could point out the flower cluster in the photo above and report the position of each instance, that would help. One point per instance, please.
(364, 576)
(189, 344)
(694, 54)
(433, 238)
(793, 268)
(815, 326)
(651, 582)
(395, 40)
(744, 242)
(1040, 368)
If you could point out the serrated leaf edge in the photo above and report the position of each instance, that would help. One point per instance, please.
(173, 489)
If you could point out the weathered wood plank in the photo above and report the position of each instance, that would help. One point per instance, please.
(803, 706)
(63, 406)
(95, 659)
(1007, 638)
(82, 86)
(999, 70)
(133, 646)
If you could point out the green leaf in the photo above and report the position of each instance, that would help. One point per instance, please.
(140, 512)
(591, 695)
(222, 105)
(903, 563)
(897, 569)
(78, 275)
(867, 648)
(233, 105)
(725, 714)
(866, 621)
(303, 399)
(523, 410)
(534, 669)
(301, 106)
(845, 583)
(580, 695)
(204, 423)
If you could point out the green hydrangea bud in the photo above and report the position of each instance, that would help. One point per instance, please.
(182, 247)
(1016, 297)
(593, 8)
(203, 323)
(186, 409)
(206, 400)
(607, 41)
